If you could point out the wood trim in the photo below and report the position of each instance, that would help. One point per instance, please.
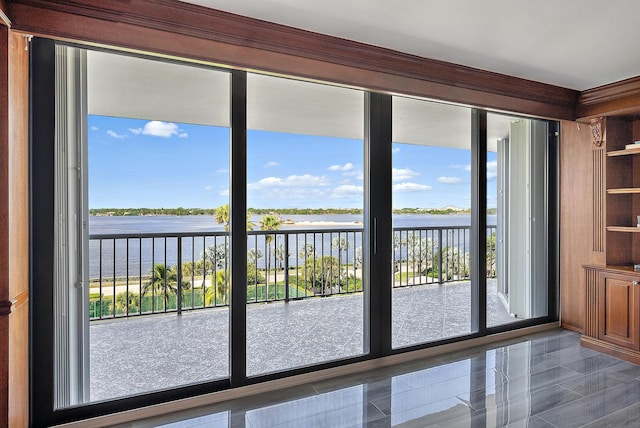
(5, 303)
(5, 307)
(599, 213)
(610, 349)
(4, 16)
(616, 98)
(180, 29)
(16, 201)
(591, 312)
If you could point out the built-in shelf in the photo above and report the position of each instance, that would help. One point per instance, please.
(624, 152)
(623, 191)
(633, 229)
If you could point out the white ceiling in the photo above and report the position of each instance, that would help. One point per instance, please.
(140, 88)
(577, 44)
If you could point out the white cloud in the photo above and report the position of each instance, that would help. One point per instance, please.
(222, 171)
(271, 164)
(346, 191)
(224, 192)
(346, 167)
(449, 180)
(395, 150)
(492, 169)
(114, 134)
(183, 135)
(157, 128)
(353, 173)
(135, 131)
(297, 181)
(208, 187)
(411, 187)
(400, 174)
(95, 128)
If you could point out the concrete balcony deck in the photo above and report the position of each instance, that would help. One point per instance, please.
(143, 354)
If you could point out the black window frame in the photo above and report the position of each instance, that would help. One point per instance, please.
(378, 235)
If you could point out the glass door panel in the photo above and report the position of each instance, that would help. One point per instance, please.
(142, 159)
(305, 199)
(431, 297)
(517, 222)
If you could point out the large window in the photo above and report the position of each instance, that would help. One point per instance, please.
(357, 235)
(305, 157)
(142, 148)
(432, 221)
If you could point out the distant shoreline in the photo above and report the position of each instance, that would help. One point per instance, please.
(135, 212)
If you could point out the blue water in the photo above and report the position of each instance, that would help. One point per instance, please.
(137, 256)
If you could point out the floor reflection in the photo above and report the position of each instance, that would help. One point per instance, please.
(545, 380)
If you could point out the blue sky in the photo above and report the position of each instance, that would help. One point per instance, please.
(153, 164)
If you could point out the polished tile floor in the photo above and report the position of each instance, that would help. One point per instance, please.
(542, 380)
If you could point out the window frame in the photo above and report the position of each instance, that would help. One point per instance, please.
(377, 234)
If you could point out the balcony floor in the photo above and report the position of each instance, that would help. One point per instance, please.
(143, 354)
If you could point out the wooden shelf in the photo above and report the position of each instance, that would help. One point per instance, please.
(625, 152)
(632, 229)
(623, 191)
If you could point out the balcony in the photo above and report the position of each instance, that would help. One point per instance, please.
(304, 293)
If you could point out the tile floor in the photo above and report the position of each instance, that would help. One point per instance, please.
(542, 380)
(143, 354)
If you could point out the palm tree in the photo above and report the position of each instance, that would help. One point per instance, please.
(340, 244)
(269, 221)
(221, 215)
(220, 287)
(164, 281)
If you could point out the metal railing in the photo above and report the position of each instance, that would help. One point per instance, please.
(150, 273)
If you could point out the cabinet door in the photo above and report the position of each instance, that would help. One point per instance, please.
(618, 317)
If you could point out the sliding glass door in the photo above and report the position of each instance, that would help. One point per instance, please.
(431, 177)
(305, 156)
(142, 157)
(357, 235)
(517, 219)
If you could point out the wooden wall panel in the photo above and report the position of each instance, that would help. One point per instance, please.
(5, 303)
(576, 220)
(18, 211)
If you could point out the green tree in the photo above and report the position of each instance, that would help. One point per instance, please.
(164, 281)
(221, 215)
(340, 244)
(269, 221)
(420, 252)
(454, 264)
(307, 251)
(218, 292)
(280, 255)
(491, 255)
(323, 274)
(126, 300)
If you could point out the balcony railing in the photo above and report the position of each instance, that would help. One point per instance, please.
(150, 273)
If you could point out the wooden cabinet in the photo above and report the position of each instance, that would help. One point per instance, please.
(618, 309)
(612, 313)
(612, 294)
